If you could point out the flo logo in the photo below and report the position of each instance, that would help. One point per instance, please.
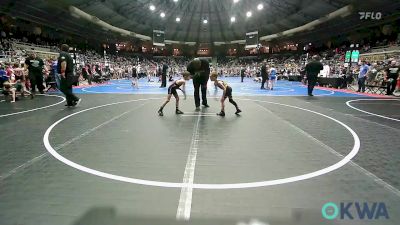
(355, 210)
(370, 15)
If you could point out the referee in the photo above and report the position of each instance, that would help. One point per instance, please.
(164, 76)
(264, 75)
(200, 71)
(312, 70)
(65, 67)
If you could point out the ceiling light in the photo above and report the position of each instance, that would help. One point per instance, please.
(235, 1)
(152, 7)
(233, 19)
(248, 14)
(162, 15)
(260, 6)
(175, 0)
(205, 21)
(178, 19)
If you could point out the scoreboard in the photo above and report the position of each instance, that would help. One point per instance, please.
(251, 40)
(352, 56)
(158, 38)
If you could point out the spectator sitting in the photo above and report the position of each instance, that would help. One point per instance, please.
(11, 87)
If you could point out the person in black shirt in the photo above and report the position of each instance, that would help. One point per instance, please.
(164, 76)
(312, 70)
(159, 73)
(343, 83)
(242, 74)
(391, 76)
(135, 82)
(264, 75)
(88, 70)
(200, 71)
(65, 67)
(35, 65)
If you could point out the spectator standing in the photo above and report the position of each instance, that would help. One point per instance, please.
(391, 75)
(362, 76)
(3, 75)
(242, 73)
(135, 81)
(34, 65)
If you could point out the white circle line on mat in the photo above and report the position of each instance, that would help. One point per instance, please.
(306, 176)
(370, 113)
(39, 108)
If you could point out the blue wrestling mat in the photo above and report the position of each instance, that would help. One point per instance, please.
(247, 88)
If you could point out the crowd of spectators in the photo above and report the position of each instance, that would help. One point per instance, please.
(94, 67)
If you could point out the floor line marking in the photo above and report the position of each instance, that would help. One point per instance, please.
(363, 115)
(35, 109)
(185, 199)
(333, 151)
(374, 114)
(58, 147)
(370, 121)
(256, 184)
(23, 166)
(200, 115)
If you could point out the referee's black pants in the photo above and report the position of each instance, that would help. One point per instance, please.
(264, 79)
(164, 80)
(66, 89)
(200, 83)
(311, 84)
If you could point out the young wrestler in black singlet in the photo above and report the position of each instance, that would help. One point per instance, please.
(227, 94)
(172, 91)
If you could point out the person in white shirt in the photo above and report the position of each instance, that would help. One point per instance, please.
(325, 72)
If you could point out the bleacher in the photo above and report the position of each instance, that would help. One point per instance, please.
(32, 47)
(375, 83)
(384, 49)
